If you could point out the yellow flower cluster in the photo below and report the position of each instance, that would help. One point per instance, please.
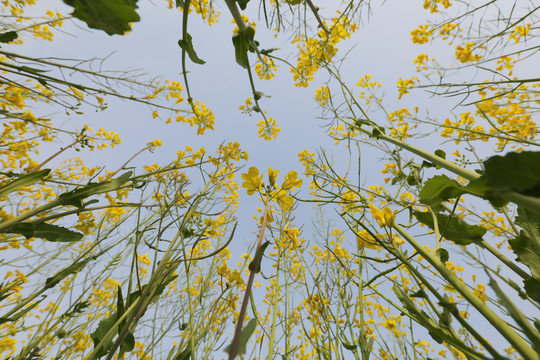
(421, 34)
(253, 183)
(512, 113)
(203, 7)
(446, 29)
(404, 85)
(202, 117)
(318, 50)
(465, 54)
(519, 32)
(465, 128)
(267, 69)
(322, 95)
(420, 62)
(268, 130)
(308, 160)
(433, 5)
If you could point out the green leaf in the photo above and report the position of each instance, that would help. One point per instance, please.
(111, 16)
(187, 45)
(351, 347)
(438, 189)
(420, 316)
(448, 309)
(257, 95)
(8, 37)
(62, 274)
(515, 171)
(453, 228)
(23, 180)
(184, 355)
(242, 4)
(104, 326)
(527, 245)
(77, 309)
(128, 343)
(528, 253)
(21, 313)
(268, 51)
(120, 306)
(241, 43)
(34, 70)
(419, 294)
(76, 196)
(377, 132)
(44, 231)
(442, 254)
(255, 265)
(532, 288)
(245, 334)
(440, 153)
(441, 188)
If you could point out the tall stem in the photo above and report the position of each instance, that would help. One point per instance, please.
(236, 340)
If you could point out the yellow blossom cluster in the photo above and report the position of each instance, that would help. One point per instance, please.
(519, 32)
(267, 69)
(421, 34)
(433, 5)
(321, 49)
(268, 129)
(465, 54)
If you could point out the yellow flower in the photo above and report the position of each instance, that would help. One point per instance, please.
(268, 130)
(272, 174)
(285, 201)
(291, 181)
(384, 218)
(421, 34)
(322, 95)
(252, 180)
(365, 240)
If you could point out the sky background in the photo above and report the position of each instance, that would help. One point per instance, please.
(381, 47)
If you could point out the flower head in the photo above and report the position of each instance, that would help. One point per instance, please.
(252, 180)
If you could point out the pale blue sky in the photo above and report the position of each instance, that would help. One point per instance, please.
(381, 47)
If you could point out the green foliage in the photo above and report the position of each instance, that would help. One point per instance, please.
(515, 171)
(187, 46)
(242, 4)
(76, 196)
(8, 37)
(527, 248)
(241, 43)
(255, 265)
(22, 180)
(49, 232)
(111, 16)
(452, 227)
(246, 333)
(62, 274)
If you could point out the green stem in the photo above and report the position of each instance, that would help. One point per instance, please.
(236, 340)
(528, 202)
(506, 331)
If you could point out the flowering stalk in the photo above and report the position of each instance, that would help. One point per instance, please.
(472, 299)
(527, 202)
(252, 271)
